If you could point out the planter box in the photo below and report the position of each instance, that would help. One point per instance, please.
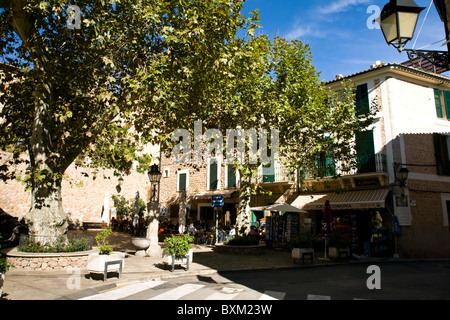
(168, 259)
(335, 253)
(96, 262)
(302, 253)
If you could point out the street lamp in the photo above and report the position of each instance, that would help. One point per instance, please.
(154, 176)
(398, 21)
(119, 184)
(404, 172)
(402, 176)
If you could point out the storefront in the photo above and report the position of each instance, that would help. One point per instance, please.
(362, 217)
(278, 227)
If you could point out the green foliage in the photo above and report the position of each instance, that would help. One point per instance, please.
(302, 241)
(337, 240)
(61, 244)
(4, 265)
(244, 240)
(178, 245)
(150, 66)
(102, 241)
(130, 63)
(125, 208)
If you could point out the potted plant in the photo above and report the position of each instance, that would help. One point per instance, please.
(141, 244)
(103, 242)
(337, 243)
(96, 261)
(4, 266)
(177, 249)
(303, 244)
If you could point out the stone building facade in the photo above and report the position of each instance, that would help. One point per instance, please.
(410, 133)
(83, 197)
(198, 192)
(428, 192)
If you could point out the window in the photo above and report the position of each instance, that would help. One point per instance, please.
(231, 176)
(362, 100)
(213, 178)
(183, 180)
(365, 152)
(268, 171)
(441, 149)
(325, 164)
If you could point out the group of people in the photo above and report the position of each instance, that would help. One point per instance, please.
(230, 231)
(227, 232)
(137, 228)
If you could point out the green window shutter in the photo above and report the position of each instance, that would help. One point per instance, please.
(447, 103)
(231, 176)
(437, 100)
(325, 164)
(182, 181)
(329, 163)
(268, 172)
(442, 156)
(362, 100)
(213, 175)
(365, 152)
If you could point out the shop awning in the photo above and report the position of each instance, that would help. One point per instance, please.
(208, 194)
(361, 199)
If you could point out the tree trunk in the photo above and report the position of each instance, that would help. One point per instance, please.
(46, 216)
(243, 219)
(182, 213)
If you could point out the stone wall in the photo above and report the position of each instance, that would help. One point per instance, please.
(82, 195)
(429, 233)
(45, 261)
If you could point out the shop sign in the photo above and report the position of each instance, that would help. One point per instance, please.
(343, 206)
(217, 201)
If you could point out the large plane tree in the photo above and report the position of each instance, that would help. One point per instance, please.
(77, 74)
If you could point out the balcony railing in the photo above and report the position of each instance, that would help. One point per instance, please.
(278, 173)
(364, 164)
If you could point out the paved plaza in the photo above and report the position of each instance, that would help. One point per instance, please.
(48, 285)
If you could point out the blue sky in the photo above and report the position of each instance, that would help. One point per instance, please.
(337, 31)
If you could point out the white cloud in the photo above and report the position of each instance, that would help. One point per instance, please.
(341, 6)
(299, 32)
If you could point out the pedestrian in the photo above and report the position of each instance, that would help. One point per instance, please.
(253, 231)
(233, 231)
(192, 229)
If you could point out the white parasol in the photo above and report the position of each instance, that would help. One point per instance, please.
(285, 207)
(105, 215)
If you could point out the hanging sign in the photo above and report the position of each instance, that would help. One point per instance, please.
(217, 201)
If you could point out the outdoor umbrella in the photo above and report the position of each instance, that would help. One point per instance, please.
(285, 207)
(327, 226)
(105, 212)
(136, 211)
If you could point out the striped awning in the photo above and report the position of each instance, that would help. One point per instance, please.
(361, 199)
